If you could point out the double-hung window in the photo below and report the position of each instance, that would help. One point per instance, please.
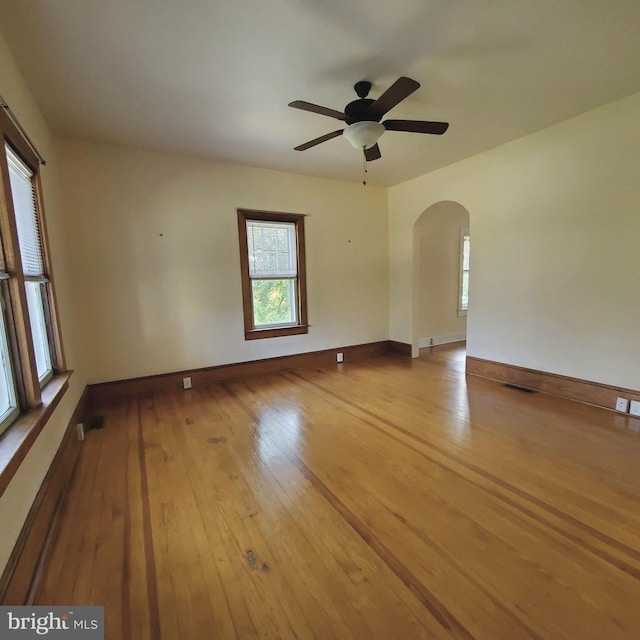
(273, 273)
(465, 247)
(30, 346)
(35, 279)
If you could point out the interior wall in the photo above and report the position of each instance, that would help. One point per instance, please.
(437, 251)
(156, 257)
(17, 499)
(554, 260)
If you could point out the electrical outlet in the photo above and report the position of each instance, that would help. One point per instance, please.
(635, 408)
(80, 431)
(622, 404)
(339, 357)
(186, 383)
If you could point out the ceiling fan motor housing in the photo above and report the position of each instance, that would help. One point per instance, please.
(358, 110)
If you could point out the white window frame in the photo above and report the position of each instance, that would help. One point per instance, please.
(462, 308)
(290, 274)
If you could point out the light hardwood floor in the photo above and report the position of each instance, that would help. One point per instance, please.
(385, 498)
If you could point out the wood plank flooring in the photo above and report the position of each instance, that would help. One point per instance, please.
(385, 498)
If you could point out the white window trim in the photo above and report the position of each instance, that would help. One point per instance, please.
(462, 312)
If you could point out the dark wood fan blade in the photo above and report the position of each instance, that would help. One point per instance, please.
(416, 126)
(315, 141)
(316, 108)
(373, 153)
(396, 93)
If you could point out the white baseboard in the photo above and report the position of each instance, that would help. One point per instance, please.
(445, 339)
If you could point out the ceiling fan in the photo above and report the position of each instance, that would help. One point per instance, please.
(364, 114)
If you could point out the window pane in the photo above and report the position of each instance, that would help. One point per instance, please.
(8, 400)
(24, 205)
(466, 245)
(35, 302)
(465, 290)
(271, 248)
(274, 302)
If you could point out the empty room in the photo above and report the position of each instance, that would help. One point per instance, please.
(320, 319)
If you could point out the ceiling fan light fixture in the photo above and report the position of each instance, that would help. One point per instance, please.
(365, 134)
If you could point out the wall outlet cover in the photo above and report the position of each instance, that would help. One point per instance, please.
(622, 404)
(635, 408)
(186, 383)
(339, 357)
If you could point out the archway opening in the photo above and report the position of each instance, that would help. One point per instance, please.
(441, 277)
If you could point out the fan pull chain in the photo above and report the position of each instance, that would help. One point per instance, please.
(364, 168)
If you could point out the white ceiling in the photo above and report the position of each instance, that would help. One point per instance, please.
(213, 77)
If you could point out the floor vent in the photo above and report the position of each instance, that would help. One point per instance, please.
(518, 388)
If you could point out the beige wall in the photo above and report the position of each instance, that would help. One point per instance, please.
(437, 263)
(156, 258)
(555, 219)
(16, 501)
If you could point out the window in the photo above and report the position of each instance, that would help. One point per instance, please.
(8, 397)
(30, 347)
(465, 246)
(273, 273)
(26, 216)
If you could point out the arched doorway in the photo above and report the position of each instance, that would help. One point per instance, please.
(438, 242)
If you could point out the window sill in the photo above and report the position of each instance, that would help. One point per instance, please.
(275, 332)
(20, 436)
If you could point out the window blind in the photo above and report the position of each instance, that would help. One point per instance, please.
(24, 204)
